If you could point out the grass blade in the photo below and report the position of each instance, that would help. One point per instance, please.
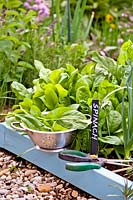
(78, 16)
(128, 127)
(52, 10)
(89, 26)
(69, 20)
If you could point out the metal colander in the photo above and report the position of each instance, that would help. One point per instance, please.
(47, 140)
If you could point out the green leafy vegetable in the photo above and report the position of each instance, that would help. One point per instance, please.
(20, 91)
(114, 120)
(114, 140)
(62, 99)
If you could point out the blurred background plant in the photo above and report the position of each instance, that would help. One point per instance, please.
(26, 34)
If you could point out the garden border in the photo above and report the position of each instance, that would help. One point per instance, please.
(101, 183)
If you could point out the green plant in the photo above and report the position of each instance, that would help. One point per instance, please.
(129, 173)
(127, 191)
(52, 92)
(103, 78)
(70, 27)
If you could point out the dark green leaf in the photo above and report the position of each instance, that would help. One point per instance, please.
(114, 120)
(114, 140)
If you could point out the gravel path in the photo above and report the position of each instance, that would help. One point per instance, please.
(21, 180)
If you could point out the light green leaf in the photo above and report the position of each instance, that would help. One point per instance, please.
(38, 91)
(61, 91)
(13, 3)
(83, 81)
(126, 52)
(55, 75)
(35, 111)
(74, 106)
(57, 113)
(44, 73)
(51, 99)
(70, 68)
(26, 103)
(89, 68)
(58, 127)
(12, 12)
(20, 91)
(82, 93)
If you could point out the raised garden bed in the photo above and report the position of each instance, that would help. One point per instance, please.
(101, 183)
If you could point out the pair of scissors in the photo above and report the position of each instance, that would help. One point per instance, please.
(81, 161)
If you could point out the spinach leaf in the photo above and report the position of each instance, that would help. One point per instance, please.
(68, 118)
(26, 104)
(74, 119)
(69, 69)
(89, 69)
(126, 52)
(61, 91)
(57, 113)
(51, 99)
(82, 93)
(108, 64)
(35, 111)
(58, 127)
(44, 73)
(38, 90)
(114, 140)
(20, 91)
(114, 120)
(83, 81)
(55, 75)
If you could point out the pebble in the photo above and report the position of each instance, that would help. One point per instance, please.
(37, 179)
(4, 171)
(4, 191)
(30, 172)
(58, 187)
(7, 158)
(74, 193)
(3, 177)
(44, 187)
(1, 159)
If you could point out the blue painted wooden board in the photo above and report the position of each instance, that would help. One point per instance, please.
(101, 183)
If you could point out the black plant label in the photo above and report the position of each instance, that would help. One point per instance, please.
(94, 127)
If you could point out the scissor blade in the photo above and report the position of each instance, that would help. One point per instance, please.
(119, 160)
(116, 163)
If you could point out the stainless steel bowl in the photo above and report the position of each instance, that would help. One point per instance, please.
(47, 140)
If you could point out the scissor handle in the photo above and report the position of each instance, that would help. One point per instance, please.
(82, 166)
(74, 156)
(74, 152)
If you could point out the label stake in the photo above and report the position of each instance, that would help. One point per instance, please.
(94, 127)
